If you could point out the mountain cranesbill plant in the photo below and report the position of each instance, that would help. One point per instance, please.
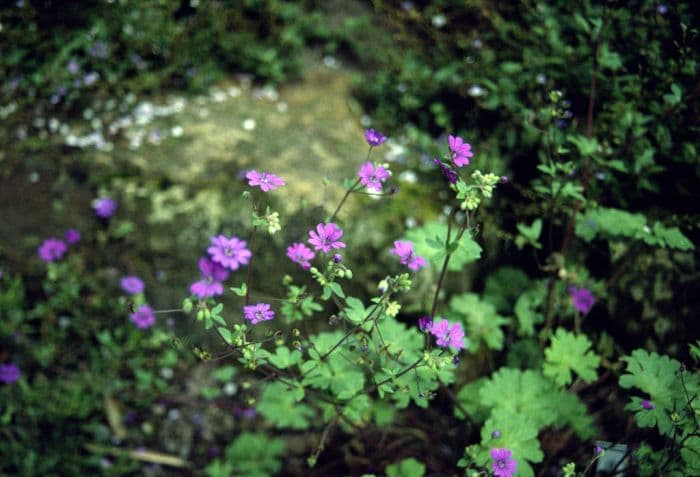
(397, 364)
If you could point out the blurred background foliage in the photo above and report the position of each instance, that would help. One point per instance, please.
(589, 107)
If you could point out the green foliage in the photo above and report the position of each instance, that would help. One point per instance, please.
(612, 224)
(570, 353)
(529, 393)
(251, 454)
(406, 468)
(280, 405)
(483, 324)
(430, 242)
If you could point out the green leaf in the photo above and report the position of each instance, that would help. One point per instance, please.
(406, 468)
(279, 406)
(355, 311)
(250, 455)
(337, 289)
(518, 433)
(283, 358)
(225, 334)
(527, 310)
(482, 322)
(426, 238)
(240, 291)
(568, 353)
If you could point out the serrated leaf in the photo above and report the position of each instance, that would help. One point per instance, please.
(279, 406)
(284, 358)
(482, 322)
(569, 353)
(467, 250)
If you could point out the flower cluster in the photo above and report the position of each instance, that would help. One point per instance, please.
(257, 313)
(372, 176)
(301, 254)
(460, 151)
(582, 299)
(326, 237)
(265, 180)
(211, 282)
(105, 207)
(229, 252)
(9, 373)
(143, 317)
(404, 250)
(503, 463)
(374, 138)
(52, 249)
(446, 334)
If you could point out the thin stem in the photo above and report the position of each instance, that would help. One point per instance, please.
(342, 201)
(249, 277)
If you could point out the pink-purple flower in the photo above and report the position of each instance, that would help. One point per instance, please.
(450, 175)
(143, 317)
(229, 252)
(210, 284)
(326, 237)
(257, 313)
(9, 373)
(132, 284)
(425, 323)
(52, 249)
(448, 335)
(461, 151)
(301, 254)
(646, 404)
(264, 180)
(404, 249)
(374, 138)
(582, 298)
(72, 236)
(372, 176)
(105, 207)
(503, 463)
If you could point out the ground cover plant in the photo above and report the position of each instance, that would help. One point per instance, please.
(506, 286)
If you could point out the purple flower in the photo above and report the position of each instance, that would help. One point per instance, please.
(496, 434)
(301, 254)
(404, 249)
(91, 78)
(425, 323)
(99, 50)
(461, 151)
(449, 173)
(73, 67)
(72, 236)
(52, 249)
(598, 449)
(646, 404)
(326, 237)
(264, 180)
(132, 285)
(662, 9)
(372, 176)
(257, 313)
(503, 463)
(374, 138)
(143, 317)
(582, 299)
(448, 335)
(212, 276)
(229, 252)
(105, 207)
(337, 258)
(245, 412)
(9, 373)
